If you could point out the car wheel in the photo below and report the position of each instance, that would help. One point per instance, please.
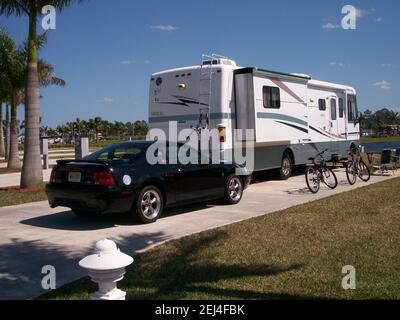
(233, 189)
(149, 205)
(285, 171)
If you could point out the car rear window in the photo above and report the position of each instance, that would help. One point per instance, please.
(117, 153)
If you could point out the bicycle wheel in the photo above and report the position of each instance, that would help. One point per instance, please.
(312, 179)
(329, 178)
(363, 171)
(351, 172)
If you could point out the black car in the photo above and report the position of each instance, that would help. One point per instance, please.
(119, 179)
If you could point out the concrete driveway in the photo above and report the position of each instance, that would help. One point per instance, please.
(33, 235)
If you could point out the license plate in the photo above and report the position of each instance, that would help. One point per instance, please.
(74, 177)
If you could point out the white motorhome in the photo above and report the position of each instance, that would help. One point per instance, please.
(293, 116)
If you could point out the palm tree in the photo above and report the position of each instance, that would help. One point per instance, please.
(98, 125)
(7, 129)
(51, 133)
(392, 117)
(71, 130)
(32, 175)
(65, 132)
(13, 64)
(119, 129)
(12, 67)
(140, 128)
(2, 146)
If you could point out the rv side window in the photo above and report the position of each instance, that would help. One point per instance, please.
(322, 104)
(271, 97)
(341, 108)
(333, 109)
(352, 110)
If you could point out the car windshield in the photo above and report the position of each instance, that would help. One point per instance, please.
(122, 153)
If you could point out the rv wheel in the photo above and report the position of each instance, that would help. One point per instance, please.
(285, 170)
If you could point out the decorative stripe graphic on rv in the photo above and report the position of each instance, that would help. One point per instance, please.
(293, 126)
(320, 132)
(190, 117)
(184, 101)
(332, 135)
(289, 91)
(327, 134)
(277, 116)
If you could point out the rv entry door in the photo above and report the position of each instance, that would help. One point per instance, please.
(333, 126)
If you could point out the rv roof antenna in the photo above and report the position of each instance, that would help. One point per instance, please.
(218, 56)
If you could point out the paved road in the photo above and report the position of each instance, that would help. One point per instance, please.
(33, 235)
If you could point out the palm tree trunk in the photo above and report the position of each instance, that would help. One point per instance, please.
(32, 173)
(2, 149)
(13, 160)
(7, 131)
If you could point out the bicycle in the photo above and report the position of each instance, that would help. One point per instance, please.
(356, 167)
(320, 172)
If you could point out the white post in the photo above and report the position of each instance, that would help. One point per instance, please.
(106, 267)
(84, 147)
(81, 147)
(44, 150)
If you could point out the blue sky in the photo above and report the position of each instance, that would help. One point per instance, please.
(106, 53)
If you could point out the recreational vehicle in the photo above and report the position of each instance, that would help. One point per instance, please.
(293, 117)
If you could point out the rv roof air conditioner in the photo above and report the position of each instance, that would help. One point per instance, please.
(226, 62)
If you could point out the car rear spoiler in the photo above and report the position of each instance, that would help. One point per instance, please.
(66, 161)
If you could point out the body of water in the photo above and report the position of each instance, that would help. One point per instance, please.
(379, 146)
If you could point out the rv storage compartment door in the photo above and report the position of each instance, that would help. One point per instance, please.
(245, 114)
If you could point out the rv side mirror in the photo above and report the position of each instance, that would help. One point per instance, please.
(357, 119)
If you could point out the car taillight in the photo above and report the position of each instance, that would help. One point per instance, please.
(103, 179)
(222, 133)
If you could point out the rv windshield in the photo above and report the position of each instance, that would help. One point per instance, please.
(352, 108)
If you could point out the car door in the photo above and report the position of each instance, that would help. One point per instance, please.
(165, 172)
(198, 181)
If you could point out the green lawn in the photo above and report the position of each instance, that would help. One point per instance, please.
(383, 139)
(297, 253)
(13, 196)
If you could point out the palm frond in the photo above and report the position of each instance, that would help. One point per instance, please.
(41, 41)
(57, 81)
(58, 4)
(46, 75)
(14, 7)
